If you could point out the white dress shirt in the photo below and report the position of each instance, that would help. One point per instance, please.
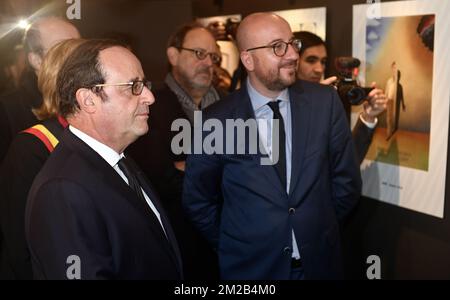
(263, 112)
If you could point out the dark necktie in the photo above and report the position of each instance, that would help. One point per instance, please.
(129, 171)
(280, 166)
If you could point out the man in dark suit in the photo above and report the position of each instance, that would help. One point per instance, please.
(16, 106)
(277, 221)
(91, 214)
(311, 67)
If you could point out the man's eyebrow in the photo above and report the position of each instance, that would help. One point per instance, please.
(281, 40)
(312, 57)
(134, 79)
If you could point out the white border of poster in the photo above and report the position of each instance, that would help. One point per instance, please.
(306, 19)
(421, 191)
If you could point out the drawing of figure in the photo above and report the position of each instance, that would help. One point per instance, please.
(394, 93)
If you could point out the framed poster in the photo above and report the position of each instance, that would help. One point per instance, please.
(404, 48)
(307, 19)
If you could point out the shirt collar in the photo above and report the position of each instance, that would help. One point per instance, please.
(108, 154)
(259, 100)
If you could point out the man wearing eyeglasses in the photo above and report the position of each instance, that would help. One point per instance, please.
(276, 221)
(192, 51)
(91, 214)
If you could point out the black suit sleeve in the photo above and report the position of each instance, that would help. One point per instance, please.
(362, 137)
(202, 193)
(62, 222)
(22, 163)
(345, 174)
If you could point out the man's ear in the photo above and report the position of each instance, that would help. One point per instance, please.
(86, 100)
(173, 55)
(248, 61)
(35, 60)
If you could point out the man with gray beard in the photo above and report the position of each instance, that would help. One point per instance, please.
(191, 51)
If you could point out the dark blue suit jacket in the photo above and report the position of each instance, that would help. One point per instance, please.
(79, 205)
(251, 228)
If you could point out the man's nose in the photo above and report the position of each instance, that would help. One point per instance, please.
(292, 53)
(319, 67)
(147, 96)
(208, 60)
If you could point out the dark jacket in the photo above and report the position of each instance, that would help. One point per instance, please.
(79, 205)
(15, 110)
(252, 227)
(24, 159)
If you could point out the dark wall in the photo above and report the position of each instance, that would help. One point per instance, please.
(410, 245)
(146, 25)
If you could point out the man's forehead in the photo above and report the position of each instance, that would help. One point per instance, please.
(277, 31)
(318, 51)
(199, 37)
(120, 60)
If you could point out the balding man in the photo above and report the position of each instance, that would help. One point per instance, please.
(90, 213)
(277, 221)
(15, 107)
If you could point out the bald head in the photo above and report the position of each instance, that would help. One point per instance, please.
(254, 29)
(44, 34)
(268, 52)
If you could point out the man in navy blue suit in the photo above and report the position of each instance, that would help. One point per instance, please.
(91, 214)
(277, 221)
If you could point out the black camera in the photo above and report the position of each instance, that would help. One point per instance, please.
(347, 86)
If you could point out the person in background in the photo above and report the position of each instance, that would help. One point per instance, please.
(26, 155)
(16, 106)
(192, 53)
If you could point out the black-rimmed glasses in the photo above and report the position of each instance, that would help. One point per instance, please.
(201, 54)
(137, 86)
(280, 48)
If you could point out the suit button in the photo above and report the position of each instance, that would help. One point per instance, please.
(291, 211)
(287, 250)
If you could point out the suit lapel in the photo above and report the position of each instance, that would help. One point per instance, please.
(300, 111)
(245, 111)
(173, 244)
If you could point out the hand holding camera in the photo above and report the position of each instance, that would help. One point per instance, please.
(375, 104)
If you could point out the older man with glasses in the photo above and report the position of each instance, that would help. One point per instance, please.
(91, 214)
(192, 52)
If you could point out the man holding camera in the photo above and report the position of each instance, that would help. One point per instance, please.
(311, 67)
